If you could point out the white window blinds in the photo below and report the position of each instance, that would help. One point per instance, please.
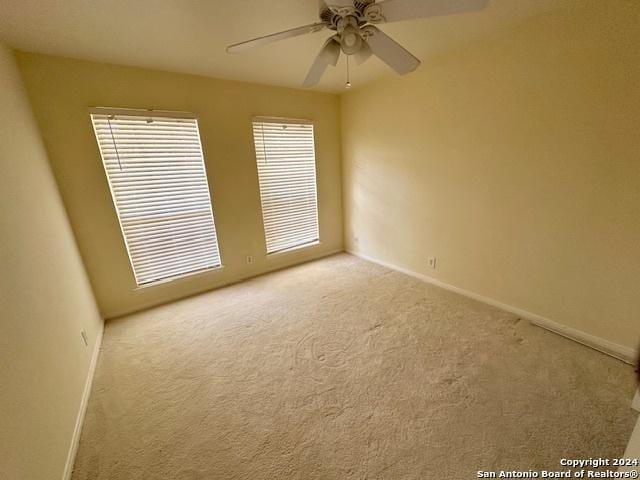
(157, 177)
(286, 160)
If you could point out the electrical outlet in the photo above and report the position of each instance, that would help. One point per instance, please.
(83, 334)
(249, 258)
(432, 262)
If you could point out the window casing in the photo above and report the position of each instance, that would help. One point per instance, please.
(285, 156)
(156, 173)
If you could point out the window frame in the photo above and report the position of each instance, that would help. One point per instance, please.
(287, 121)
(173, 115)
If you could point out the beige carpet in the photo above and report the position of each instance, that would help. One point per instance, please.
(342, 369)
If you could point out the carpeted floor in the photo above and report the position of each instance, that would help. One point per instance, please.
(342, 369)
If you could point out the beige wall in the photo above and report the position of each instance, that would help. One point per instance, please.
(45, 300)
(62, 90)
(515, 162)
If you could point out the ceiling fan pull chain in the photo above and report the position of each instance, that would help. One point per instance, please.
(348, 84)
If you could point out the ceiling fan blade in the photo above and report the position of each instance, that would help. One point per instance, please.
(363, 54)
(397, 10)
(389, 51)
(328, 56)
(274, 37)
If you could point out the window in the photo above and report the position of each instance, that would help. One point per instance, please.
(286, 160)
(158, 182)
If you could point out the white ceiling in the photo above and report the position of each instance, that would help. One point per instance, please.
(190, 36)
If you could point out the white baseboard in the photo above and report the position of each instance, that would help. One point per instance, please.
(626, 354)
(75, 439)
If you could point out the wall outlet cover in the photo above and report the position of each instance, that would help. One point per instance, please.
(432, 262)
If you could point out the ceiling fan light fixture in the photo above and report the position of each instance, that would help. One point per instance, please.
(373, 13)
(350, 39)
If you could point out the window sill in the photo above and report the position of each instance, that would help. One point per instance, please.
(294, 249)
(179, 278)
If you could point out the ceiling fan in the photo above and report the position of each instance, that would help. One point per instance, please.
(356, 34)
